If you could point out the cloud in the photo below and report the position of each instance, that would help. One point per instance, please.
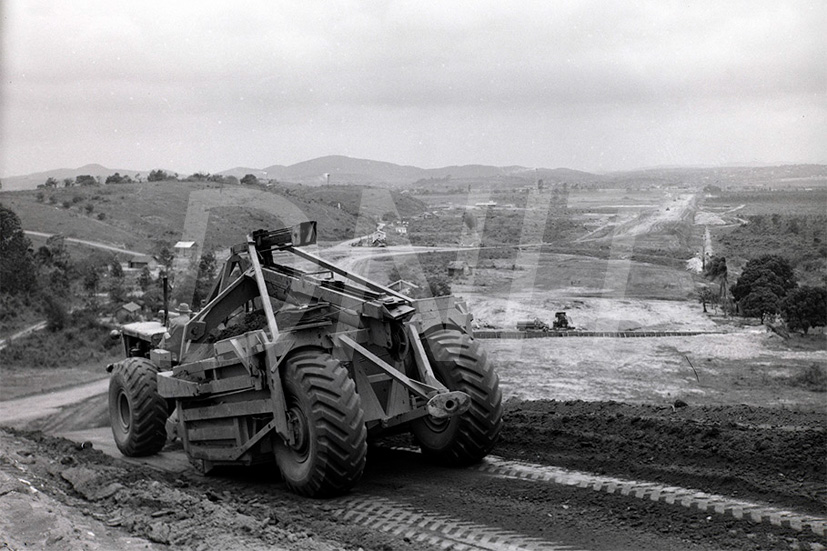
(321, 68)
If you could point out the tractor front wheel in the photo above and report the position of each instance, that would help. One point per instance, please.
(137, 412)
(328, 447)
(460, 364)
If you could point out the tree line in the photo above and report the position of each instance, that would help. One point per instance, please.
(155, 175)
(768, 287)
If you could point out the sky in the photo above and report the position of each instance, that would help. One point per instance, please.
(589, 85)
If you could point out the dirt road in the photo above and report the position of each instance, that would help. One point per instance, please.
(566, 475)
(93, 244)
(22, 333)
(22, 410)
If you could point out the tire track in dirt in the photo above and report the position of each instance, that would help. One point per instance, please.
(690, 498)
(433, 529)
(611, 334)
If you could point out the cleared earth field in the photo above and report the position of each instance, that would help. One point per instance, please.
(744, 367)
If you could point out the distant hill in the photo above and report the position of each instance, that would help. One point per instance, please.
(347, 170)
(339, 169)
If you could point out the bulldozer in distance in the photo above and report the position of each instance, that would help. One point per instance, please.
(334, 360)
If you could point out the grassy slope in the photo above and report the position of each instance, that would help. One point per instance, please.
(139, 215)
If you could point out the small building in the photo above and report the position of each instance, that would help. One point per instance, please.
(459, 268)
(186, 248)
(128, 312)
(186, 255)
(143, 260)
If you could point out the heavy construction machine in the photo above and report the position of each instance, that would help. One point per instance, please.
(303, 367)
(561, 323)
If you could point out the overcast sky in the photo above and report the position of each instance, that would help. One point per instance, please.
(598, 86)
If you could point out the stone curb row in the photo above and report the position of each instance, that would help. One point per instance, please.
(611, 334)
(438, 530)
(659, 493)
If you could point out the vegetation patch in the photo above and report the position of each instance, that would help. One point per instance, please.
(82, 340)
(802, 239)
(813, 377)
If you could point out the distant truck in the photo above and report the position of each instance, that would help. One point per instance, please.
(533, 325)
(561, 323)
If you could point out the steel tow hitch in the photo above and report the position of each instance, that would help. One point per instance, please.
(448, 404)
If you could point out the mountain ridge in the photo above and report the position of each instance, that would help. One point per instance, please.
(340, 169)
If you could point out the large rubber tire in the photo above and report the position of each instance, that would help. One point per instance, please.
(326, 414)
(137, 412)
(461, 364)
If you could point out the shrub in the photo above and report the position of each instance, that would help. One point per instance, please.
(812, 378)
(806, 307)
(56, 313)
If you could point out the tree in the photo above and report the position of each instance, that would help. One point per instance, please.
(715, 267)
(118, 179)
(805, 307)
(91, 278)
(165, 256)
(249, 180)
(55, 266)
(206, 277)
(117, 290)
(17, 268)
(86, 180)
(760, 303)
(56, 313)
(50, 182)
(68, 182)
(144, 278)
(707, 296)
(768, 270)
(158, 175)
(153, 299)
(116, 269)
(93, 268)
